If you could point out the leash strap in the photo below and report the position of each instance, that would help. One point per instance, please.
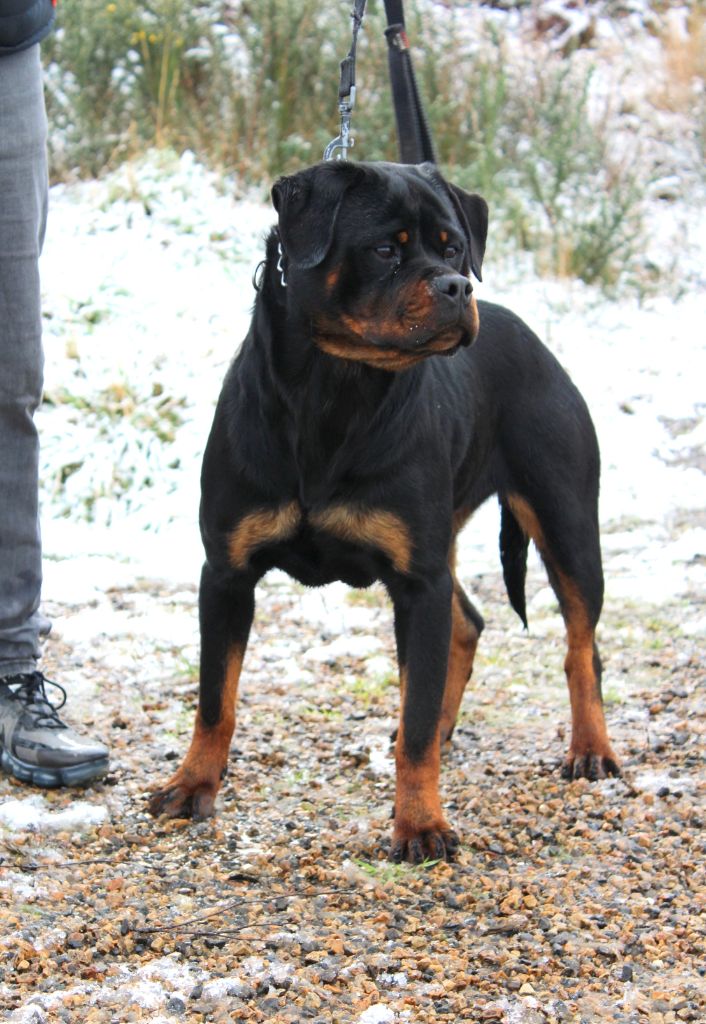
(346, 90)
(414, 139)
(413, 136)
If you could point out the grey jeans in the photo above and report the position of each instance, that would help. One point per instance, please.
(23, 209)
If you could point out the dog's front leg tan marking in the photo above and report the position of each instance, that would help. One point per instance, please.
(191, 792)
(420, 830)
(422, 629)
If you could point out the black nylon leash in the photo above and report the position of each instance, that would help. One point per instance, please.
(414, 139)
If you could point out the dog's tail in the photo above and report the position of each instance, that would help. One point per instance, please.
(513, 555)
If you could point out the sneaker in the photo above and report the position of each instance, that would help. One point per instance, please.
(35, 745)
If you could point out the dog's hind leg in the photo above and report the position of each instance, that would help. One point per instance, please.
(226, 611)
(566, 535)
(466, 626)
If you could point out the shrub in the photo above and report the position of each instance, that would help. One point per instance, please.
(252, 89)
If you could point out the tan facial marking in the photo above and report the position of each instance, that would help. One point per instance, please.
(403, 237)
(474, 317)
(267, 525)
(377, 528)
(382, 359)
(444, 236)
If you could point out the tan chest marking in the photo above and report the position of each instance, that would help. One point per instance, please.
(375, 527)
(265, 526)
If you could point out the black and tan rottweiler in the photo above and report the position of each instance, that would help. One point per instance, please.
(373, 406)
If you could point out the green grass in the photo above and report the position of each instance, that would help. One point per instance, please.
(385, 872)
(368, 691)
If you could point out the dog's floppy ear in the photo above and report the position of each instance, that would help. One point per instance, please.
(472, 211)
(308, 205)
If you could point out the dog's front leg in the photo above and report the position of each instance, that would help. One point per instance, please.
(423, 628)
(226, 610)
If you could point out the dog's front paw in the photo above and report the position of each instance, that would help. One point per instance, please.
(590, 765)
(414, 847)
(184, 797)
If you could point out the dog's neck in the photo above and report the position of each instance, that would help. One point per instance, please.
(299, 365)
(340, 411)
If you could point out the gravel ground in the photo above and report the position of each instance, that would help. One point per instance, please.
(569, 901)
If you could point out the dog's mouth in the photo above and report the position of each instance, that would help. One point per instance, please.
(394, 344)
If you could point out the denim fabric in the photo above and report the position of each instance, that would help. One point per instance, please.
(23, 207)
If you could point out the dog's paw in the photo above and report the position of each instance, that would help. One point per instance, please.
(590, 765)
(181, 799)
(435, 844)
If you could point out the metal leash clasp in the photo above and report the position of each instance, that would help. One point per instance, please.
(345, 140)
(346, 90)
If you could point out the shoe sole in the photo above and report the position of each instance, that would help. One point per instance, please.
(53, 778)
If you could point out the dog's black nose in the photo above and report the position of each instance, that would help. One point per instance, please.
(455, 288)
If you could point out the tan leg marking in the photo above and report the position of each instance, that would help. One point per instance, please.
(193, 788)
(590, 752)
(525, 516)
(420, 828)
(266, 526)
(403, 683)
(376, 528)
(589, 735)
(462, 651)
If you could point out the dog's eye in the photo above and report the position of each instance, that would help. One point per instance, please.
(386, 252)
(450, 252)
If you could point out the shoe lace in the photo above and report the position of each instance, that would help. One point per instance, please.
(31, 691)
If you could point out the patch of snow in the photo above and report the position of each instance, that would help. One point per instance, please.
(377, 1014)
(343, 647)
(398, 979)
(381, 760)
(22, 886)
(694, 627)
(149, 995)
(653, 781)
(28, 1014)
(34, 814)
(380, 668)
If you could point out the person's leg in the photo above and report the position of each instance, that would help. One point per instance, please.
(23, 205)
(35, 745)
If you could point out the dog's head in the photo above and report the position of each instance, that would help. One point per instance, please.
(378, 259)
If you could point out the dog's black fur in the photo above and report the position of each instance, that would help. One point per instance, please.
(346, 447)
